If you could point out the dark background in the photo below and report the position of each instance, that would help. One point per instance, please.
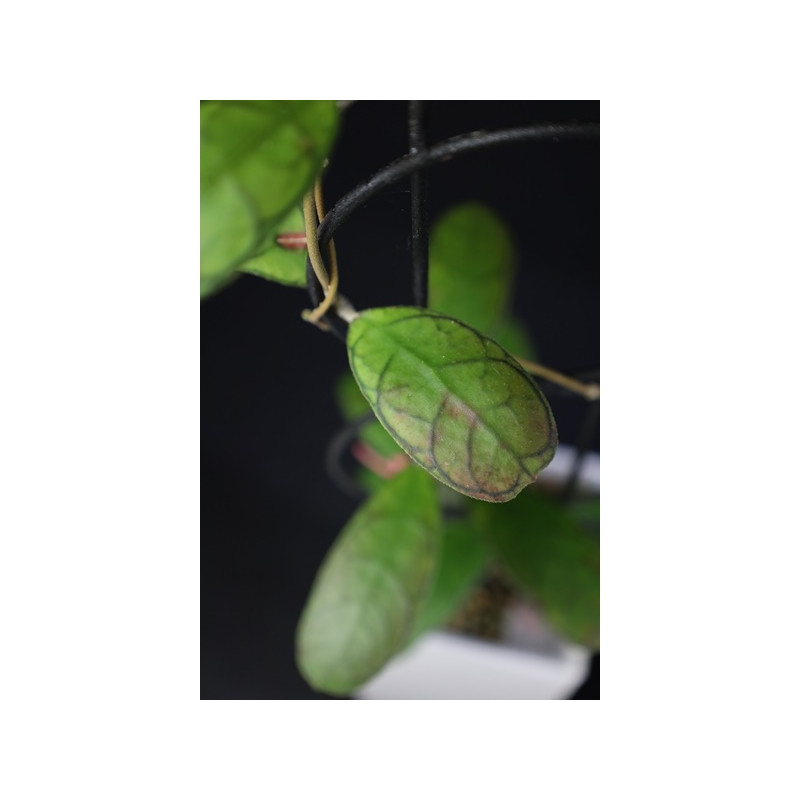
(269, 511)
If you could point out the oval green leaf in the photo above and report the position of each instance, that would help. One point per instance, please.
(462, 559)
(276, 263)
(471, 265)
(453, 399)
(370, 586)
(257, 158)
(554, 560)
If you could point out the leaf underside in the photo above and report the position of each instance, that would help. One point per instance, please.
(453, 399)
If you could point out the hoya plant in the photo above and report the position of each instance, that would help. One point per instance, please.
(442, 408)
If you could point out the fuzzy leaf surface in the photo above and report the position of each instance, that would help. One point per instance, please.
(453, 399)
(471, 265)
(370, 586)
(553, 559)
(276, 263)
(257, 159)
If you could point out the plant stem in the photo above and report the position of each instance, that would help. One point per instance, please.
(313, 213)
(319, 202)
(311, 222)
(591, 391)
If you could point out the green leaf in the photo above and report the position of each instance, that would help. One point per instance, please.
(370, 586)
(462, 559)
(453, 399)
(471, 265)
(552, 558)
(353, 405)
(276, 263)
(375, 436)
(368, 480)
(257, 159)
(227, 230)
(512, 335)
(587, 513)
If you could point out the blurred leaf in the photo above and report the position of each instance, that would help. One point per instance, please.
(276, 263)
(370, 586)
(227, 229)
(257, 159)
(351, 402)
(352, 405)
(552, 558)
(453, 399)
(587, 513)
(512, 335)
(471, 265)
(368, 480)
(462, 559)
(375, 436)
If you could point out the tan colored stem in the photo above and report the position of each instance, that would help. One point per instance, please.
(311, 223)
(319, 202)
(591, 391)
(313, 214)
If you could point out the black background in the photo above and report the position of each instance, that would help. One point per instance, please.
(269, 511)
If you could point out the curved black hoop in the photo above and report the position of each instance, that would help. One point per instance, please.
(412, 163)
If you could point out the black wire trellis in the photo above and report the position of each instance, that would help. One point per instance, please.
(419, 221)
(413, 166)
